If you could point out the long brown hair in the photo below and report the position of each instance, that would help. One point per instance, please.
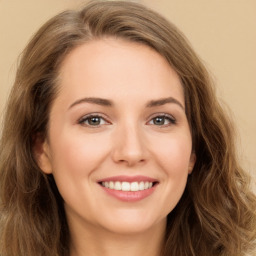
(217, 212)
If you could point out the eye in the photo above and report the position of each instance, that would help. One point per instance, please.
(93, 120)
(162, 120)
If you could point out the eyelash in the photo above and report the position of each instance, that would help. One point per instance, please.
(86, 118)
(171, 120)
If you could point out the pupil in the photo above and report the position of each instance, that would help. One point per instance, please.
(159, 121)
(94, 121)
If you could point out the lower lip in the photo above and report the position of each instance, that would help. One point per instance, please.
(129, 196)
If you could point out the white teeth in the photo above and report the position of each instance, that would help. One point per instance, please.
(141, 185)
(111, 184)
(127, 186)
(118, 185)
(134, 186)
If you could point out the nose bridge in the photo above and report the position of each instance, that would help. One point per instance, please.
(129, 143)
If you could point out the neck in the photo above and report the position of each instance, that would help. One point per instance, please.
(98, 242)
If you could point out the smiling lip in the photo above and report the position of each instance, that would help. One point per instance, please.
(129, 178)
(129, 196)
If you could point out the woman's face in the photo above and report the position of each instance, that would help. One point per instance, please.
(119, 144)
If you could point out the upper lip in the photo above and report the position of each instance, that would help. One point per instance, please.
(123, 178)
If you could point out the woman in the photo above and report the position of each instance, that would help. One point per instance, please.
(114, 142)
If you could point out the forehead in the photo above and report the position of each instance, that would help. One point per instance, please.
(114, 68)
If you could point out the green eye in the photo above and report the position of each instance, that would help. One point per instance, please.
(93, 120)
(162, 120)
(159, 120)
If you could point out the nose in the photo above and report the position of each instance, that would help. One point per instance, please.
(129, 146)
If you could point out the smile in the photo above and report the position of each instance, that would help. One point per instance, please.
(127, 186)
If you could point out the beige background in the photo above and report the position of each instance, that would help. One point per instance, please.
(223, 32)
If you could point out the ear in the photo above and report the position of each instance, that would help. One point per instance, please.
(191, 162)
(42, 153)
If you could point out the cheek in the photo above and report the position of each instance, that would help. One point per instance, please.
(78, 155)
(74, 161)
(173, 156)
(174, 153)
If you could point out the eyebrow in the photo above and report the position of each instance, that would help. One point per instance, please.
(109, 103)
(97, 101)
(163, 101)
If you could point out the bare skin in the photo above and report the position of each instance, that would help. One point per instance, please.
(111, 244)
(118, 120)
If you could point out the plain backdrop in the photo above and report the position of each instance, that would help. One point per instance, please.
(223, 33)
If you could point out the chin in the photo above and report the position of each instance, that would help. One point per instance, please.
(132, 223)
